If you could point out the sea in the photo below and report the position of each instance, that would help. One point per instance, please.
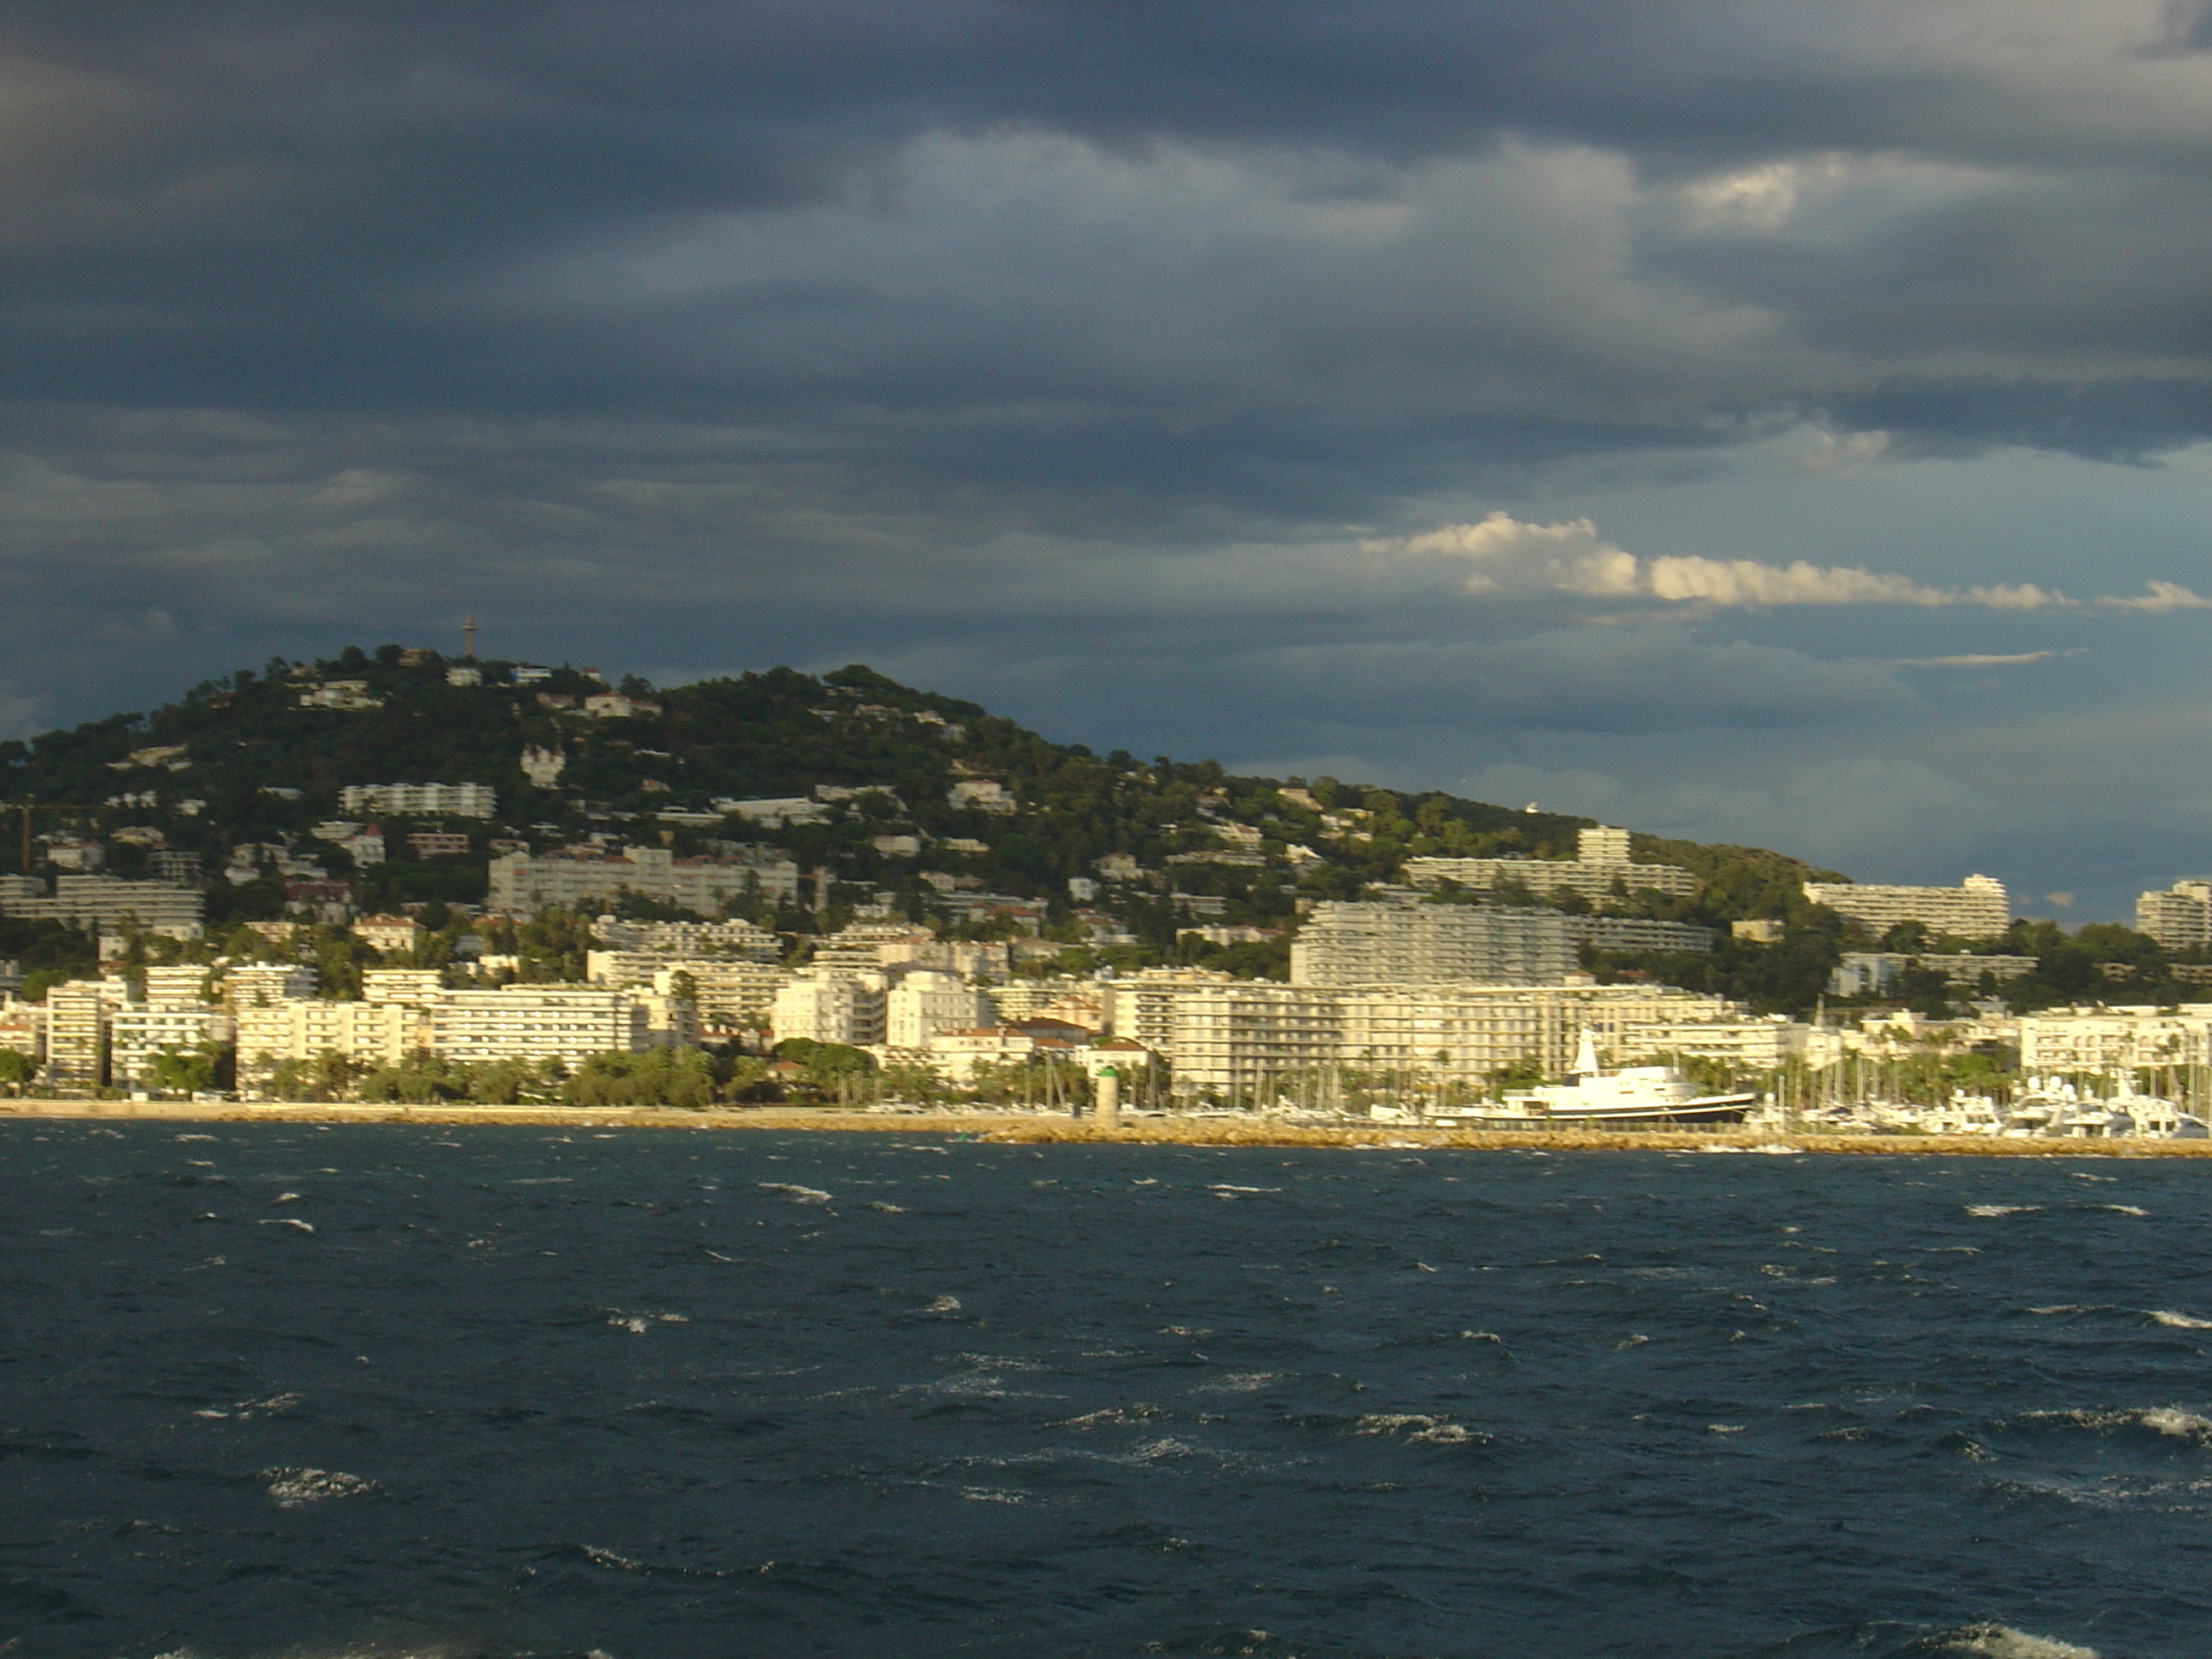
(415, 1390)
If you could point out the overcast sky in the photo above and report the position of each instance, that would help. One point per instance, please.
(1781, 423)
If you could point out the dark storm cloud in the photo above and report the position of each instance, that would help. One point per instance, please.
(1037, 348)
(314, 206)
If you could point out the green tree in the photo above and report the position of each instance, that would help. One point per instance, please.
(681, 1078)
(177, 1070)
(17, 1069)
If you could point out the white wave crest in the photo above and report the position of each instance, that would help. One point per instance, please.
(943, 1305)
(1135, 1412)
(275, 1403)
(2169, 1420)
(1420, 1428)
(797, 1194)
(639, 1323)
(1995, 1641)
(2122, 1209)
(1772, 1148)
(1987, 1210)
(1237, 1383)
(292, 1487)
(2183, 1425)
(2180, 1321)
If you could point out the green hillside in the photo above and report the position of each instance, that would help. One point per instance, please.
(248, 761)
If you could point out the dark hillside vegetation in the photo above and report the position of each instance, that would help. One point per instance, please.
(245, 761)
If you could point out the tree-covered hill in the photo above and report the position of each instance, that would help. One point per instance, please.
(257, 761)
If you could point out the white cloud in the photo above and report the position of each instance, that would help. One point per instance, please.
(2162, 596)
(1510, 558)
(1983, 660)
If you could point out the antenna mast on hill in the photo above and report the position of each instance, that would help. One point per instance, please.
(468, 636)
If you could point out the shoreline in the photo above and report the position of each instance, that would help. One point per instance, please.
(1020, 1129)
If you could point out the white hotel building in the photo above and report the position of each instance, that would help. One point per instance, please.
(538, 1023)
(1977, 908)
(1601, 858)
(521, 884)
(421, 800)
(1246, 1038)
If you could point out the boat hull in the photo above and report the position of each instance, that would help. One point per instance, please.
(1711, 1108)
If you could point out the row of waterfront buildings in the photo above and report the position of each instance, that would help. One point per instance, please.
(1429, 996)
(1456, 990)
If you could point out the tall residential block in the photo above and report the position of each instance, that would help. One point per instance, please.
(138, 1033)
(538, 1022)
(522, 885)
(421, 800)
(922, 1004)
(1250, 1040)
(1343, 944)
(106, 904)
(830, 1007)
(77, 1034)
(1977, 908)
(2180, 918)
(1602, 864)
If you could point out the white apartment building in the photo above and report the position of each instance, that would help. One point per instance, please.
(2112, 1039)
(370, 1034)
(538, 1022)
(105, 904)
(775, 811)
(1343, 944)
(246, 984)
(834, 1007)
(734, 937)
(76, 1033)
(1748, 1045)
(2180, 918)
(958, 1054)
(1601, 858)
(1077, 1001)
(922, 1004)
(867, 945)
(418, 987)
(730, 991)
(1250, 1039)
(729, 995)
(406, 1012)
(1142, 1007)
(522, 884)
(421, 800)
(1979, 908)
(1638, 933)
(188, 982)
(388, 933)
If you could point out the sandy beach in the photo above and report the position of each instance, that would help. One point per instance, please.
(1025, 1129)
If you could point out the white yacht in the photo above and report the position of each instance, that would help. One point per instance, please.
(1630, 1094)
(2054, 1107)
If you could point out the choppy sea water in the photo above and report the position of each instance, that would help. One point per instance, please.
(281, 1390)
